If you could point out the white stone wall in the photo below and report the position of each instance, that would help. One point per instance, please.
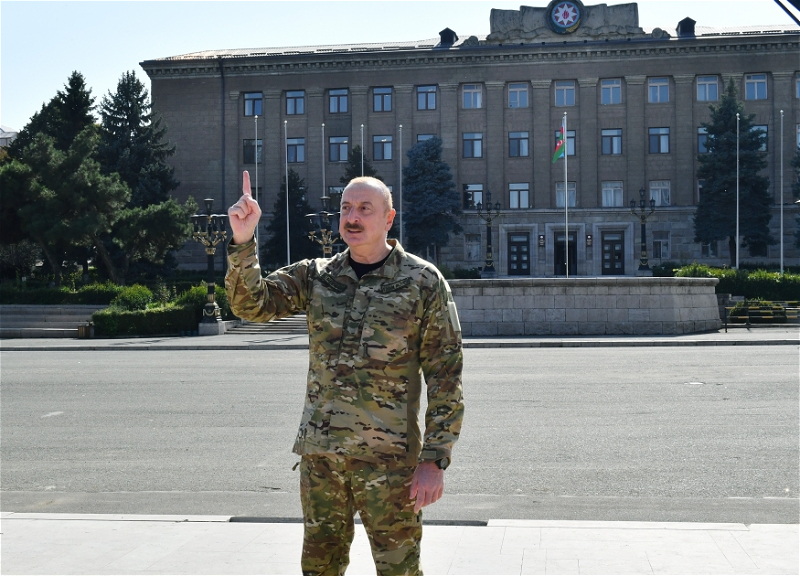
(589, 306)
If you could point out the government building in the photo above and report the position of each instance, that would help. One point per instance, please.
(634, 100)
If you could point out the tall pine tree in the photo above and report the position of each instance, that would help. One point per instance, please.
(353, 167)
(273, 250)
(715, 218)
(432, 202)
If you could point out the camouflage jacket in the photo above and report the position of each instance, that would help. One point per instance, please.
(370, 343)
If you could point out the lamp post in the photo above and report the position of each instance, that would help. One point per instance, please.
(325, 224)
(209, 230)
(644, 266)
(488, 268)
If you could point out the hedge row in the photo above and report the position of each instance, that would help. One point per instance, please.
(758, 284)
(169, 319)
(91, 294)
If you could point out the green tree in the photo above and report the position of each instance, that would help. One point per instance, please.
(432, 201)
(715, 218)
(353, 167)
(273, 250)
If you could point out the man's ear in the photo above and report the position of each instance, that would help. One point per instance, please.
(390, 218)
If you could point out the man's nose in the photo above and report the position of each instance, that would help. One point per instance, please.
(349, 214)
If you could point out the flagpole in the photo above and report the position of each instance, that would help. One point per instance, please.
(781, 192)
(566, 194)
(324, 189)
(400, 203)
(362, 150)
(286, 173)
(257, 200)
(737, 191)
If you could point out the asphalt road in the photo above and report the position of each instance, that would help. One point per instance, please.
(652, 434)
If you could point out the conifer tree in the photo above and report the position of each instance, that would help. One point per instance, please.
(715, 218)
(353, 167)
(273, 250)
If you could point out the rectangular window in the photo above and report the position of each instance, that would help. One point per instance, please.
(763, 137)
(702, 138)
(565, 93)
(426, 97)
(560, 194)
(295, 102)
(381, 147)
(251, 151)
(611, 91)
(755, 87)
(612, 195)
(473, 144)
(659, 191)
(518, 95)
(252, 103)
(517, 144)
(472, 95)
(611, 140)
(570, 141)
(659, 140)
(423, 137)
(658, 90)
(381, 99)
(707, 88)
(519, 196)
(473, 195)
(709, 250)
(661, 245)
(337, 146)
(797, 86)
(337, 101)
(798, 135)
(296, 150)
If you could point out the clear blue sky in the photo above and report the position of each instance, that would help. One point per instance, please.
(43, 42)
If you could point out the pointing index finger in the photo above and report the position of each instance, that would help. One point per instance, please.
(246, 184)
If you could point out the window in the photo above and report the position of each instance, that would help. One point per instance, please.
(709, 250)
(611, 91)
(763, 136)
(560, 194)
(570, 141)
(707, 88)
(251, 151)
(423, 137)
(658, 90)
(296, 150)
(755, 87)
(426, 97)
(472, 95)
(797, 86)
(337, 146)
(517, 144)
(612, 195)
(659, 140)
(611, 140)
(473, 144)
(661, 245)
(565, 93)
(472, 247)
(473, 195)
(519, 196)
(337, 101)
(798, 135)
(659, 191)
(518, 95)
(381, 147)
(295, 102)
(252, 103)
(381, 99)
(702, 139)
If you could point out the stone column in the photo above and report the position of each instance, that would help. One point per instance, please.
(542, 191)
(494, 151)
(635, 137)
(448, 114)
(316, 149)
(684, 142)
(587, 142)
(359, 114)
(272, 154)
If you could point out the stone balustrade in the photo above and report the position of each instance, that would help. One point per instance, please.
(586, 305)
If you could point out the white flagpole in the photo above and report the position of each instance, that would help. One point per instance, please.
(781, 192)
(362, 150)
(737, 191)
(286, 174)
(324, 189)
(400, 199)
(257, 200)
(566, 194)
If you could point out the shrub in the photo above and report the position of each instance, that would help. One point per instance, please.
(196, 297)
(758, 284)
(165, 320)
(97, 293)
(466, 273)
(135, 297)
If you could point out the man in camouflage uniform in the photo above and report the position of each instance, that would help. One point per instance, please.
(379, 320)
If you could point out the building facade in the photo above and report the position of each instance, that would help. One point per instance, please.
(634, 100)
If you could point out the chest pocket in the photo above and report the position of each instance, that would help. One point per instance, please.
(391, 321)
(328, 306)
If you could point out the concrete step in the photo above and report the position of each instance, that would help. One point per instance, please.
(44, 321)
(292, 325)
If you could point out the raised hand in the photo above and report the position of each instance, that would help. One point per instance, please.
(245, 214)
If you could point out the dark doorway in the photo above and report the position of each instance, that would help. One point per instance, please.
(613, 253)
(519, 261)
(560, 260)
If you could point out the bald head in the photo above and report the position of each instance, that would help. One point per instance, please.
(374, 184)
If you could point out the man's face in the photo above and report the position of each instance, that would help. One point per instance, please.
(365, 218)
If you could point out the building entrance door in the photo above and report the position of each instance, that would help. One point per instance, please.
(519, 262)
(613, 253)
(559, 257)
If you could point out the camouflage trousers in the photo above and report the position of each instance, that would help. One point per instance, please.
(332, 489)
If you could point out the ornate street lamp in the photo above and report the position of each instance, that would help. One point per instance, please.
(209, 230)
(325, 224)
(644, 266)
(488, 268)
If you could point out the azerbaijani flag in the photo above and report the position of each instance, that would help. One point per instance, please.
(561, 144)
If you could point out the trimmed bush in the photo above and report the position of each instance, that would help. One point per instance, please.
(758, 284)
(101, 294)
(166, 320)
(196, 297)
(135, 297)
